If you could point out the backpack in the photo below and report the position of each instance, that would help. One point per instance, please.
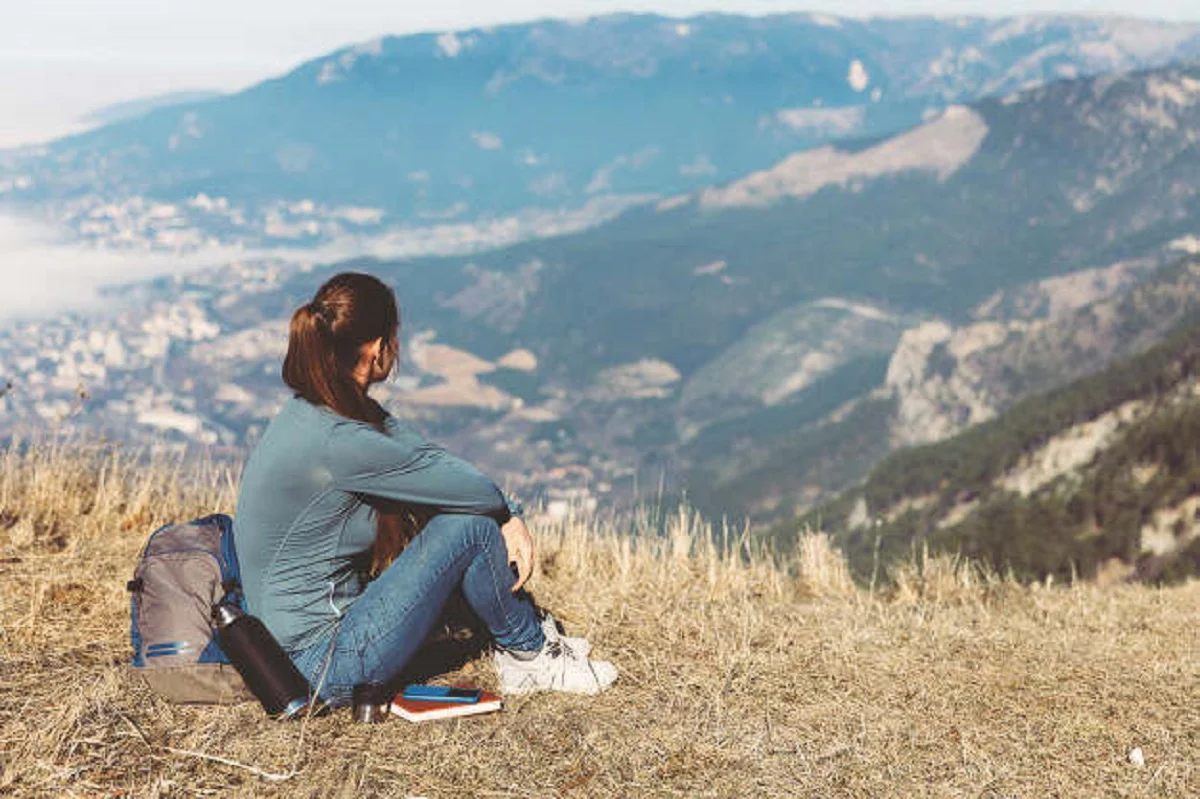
(183, 571)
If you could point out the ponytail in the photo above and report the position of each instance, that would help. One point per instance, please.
(325, 338)
(320, 368)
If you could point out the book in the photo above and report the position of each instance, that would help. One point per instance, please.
(418, 710)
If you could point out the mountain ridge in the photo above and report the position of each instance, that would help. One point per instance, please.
(484, 123)
(140, 106)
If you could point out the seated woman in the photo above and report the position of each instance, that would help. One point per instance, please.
(334, 560)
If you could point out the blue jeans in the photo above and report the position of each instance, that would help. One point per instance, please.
(381, 631)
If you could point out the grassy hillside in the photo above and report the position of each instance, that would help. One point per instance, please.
(965, 494)
(741, 675)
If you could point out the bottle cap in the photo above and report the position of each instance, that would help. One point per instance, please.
(224, 614)
(370, 702)
(294, 708)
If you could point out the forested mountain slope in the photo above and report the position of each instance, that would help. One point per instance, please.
(1102, 472)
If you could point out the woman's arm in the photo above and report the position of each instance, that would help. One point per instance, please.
(522, 550)
(404, 467)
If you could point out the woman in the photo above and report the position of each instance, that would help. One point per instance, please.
(335, 559)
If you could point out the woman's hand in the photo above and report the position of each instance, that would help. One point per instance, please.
(521, 549)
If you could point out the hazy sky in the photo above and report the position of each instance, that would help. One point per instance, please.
(61, 58)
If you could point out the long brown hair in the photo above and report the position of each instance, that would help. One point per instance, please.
(325, 341)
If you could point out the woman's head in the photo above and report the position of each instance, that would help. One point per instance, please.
(341, 342)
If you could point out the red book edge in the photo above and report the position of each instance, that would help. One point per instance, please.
(424, 710)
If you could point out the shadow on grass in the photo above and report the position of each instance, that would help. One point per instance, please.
(457, 638)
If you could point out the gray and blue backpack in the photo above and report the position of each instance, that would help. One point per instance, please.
(183, 571)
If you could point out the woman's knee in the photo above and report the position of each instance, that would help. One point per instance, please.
(483, 530)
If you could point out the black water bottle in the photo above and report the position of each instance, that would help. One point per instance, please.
(267, 670)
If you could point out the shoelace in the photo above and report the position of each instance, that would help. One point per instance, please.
(558, 648)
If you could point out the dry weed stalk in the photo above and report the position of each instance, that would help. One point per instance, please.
(945, 580)
(822, 568)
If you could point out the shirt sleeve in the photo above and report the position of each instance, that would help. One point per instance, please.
(402, 466)
(515, 508)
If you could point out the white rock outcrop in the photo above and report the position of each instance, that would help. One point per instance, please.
(933, 404)
(942, 147)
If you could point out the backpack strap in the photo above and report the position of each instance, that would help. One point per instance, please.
(231, 573)
(233, 593)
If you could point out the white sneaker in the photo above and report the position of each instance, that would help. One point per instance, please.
(557, 667)
(553, 627)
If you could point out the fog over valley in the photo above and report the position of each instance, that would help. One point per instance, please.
(43, 274)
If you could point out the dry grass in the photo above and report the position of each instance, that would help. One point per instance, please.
(741, 675)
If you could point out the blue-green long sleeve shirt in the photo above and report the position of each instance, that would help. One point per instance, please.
(303, 521)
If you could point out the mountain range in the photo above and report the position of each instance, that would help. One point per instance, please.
(463, 126)
(800, 281)
(994, 222)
